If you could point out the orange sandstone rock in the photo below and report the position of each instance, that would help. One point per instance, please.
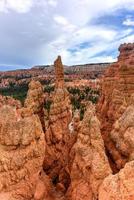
(6, 100)
(34, 102)
(117, 87)
(59, 132)
(59, 73)
(90, 165)
(70, 151)
(22, 149)
(119, 186)
(123, 133)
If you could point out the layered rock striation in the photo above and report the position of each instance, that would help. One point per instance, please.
(119, 186)
(117, 88)
(22, 149)
(59, 135)
(34, 103)
(90, 164)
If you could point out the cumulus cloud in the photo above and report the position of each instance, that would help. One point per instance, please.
(20, 6)
(128, 22)
(52, 2)
(36, 31)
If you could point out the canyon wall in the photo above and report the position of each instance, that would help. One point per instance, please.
(117, 88)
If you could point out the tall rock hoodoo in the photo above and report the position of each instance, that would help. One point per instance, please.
(90, 164)
(58, 135)
(59, 73)
(34, 102)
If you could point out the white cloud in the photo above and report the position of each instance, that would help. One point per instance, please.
(2, 6)
(53, 2)
(99, 40)
(24, 6)
(61, 20)
(52, 27)
(129, 22)
(20, 6)
(80, 12)
(64, 23)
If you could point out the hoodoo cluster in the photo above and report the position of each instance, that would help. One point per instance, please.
(63, 158)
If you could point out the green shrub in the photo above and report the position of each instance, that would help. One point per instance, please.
(47, 105)
(48, 89)
(18, 92)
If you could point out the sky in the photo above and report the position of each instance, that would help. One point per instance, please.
(35, 32)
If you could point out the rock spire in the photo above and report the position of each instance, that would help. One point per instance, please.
(59, 72)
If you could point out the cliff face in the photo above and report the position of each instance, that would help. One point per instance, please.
(123, 133)
(22, 149)
(118, 84)
(121, 185)
(117, 88)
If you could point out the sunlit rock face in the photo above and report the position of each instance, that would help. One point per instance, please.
(22, 149)
(59, 136)
(123, 133)
(34, 102)
(59, 73)
(117, 88)
(119, 186)
(90, 165)
(35, 97)
(5, 100)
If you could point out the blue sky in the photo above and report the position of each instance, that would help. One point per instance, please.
(34, 32)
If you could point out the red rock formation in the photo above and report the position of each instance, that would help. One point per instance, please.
(123, 133)
(22, 149)
(59, 73)
(117, 87)
(5, 100)
(90, 165)
(70, 151)
(58, 134)
(126, 52)
(34, 102)
(119, 186)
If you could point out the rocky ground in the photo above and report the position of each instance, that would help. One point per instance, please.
(60, 157)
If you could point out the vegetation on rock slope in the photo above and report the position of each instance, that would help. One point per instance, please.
(79, 97)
